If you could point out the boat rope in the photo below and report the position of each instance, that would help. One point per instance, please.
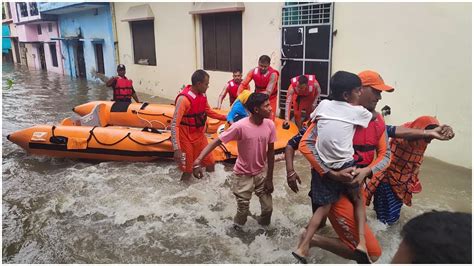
(226, 151)
(150, 121)
(92, 135)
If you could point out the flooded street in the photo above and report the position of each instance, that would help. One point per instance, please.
(69, 211)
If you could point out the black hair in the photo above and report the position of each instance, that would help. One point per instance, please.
(236, 70)
(431, 126)
(255, 100)
(439, 237)
(343, 81)
(303, 79)
(264, 59)
(198, 76)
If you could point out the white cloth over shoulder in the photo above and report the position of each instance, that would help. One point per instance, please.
(336, 127)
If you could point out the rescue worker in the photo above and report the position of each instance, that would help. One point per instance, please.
(189, 124)
(231, 88)
(265, 79)
(302, 94)
(370, 149)
(122, 86)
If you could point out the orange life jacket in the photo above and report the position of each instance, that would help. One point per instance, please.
(407, 156)
(232, 88)
(304, 97)
(123, 90)
(196, 117)
(261, 81)
(365, 141)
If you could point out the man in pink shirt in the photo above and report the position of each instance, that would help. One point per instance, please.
(255, 136)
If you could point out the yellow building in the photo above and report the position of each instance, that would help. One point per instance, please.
(422, 49)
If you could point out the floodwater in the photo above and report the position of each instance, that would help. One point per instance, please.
(69, 211)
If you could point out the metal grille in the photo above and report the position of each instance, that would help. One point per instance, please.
(304, 13)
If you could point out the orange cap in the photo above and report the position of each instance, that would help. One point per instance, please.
(374, 80)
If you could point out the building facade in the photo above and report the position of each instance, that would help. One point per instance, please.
(36, 33)
(162, 44)
(7, 49)
(86, 38)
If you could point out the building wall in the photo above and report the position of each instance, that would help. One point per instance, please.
(424, 51)
(420, 48)
(260, 22)
(179, 47)
(91, 26)
(174, 46)
(32, 57)
(46, 38)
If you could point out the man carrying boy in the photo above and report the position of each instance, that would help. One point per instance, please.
(266, 81)
(230, 87)
(255, 136)
(189, 124)
(336, 123)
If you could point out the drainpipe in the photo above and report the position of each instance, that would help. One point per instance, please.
(69, 57)
(114, 30)
(60, 50)
(196, 53)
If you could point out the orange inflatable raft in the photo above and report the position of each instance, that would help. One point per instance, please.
(152, 115)
(117, 143)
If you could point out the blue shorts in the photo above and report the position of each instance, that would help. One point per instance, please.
(387, 205)
(324, 190)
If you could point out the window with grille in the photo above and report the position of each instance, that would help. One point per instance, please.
(143, 34)
(33, 9)
(222, 41)
(38, 28)
(50, 27)
(304, 13)
(23, 7)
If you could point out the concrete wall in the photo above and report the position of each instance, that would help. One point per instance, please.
(32, 57)
(260, 21)
(46, 38)
(174, 46)
(424, 51)
(179, 46)
(91, 26)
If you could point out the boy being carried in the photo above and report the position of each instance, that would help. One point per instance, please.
(255, 136)
(336, 122)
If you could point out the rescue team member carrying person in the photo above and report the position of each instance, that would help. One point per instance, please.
(265, 79)
(123, 87)
(189, 122)
(303, 94)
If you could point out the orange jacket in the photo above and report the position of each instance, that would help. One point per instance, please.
(181, 132)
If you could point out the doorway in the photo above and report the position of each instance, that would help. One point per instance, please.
(42, 56)
(81, 64)
(306, 44)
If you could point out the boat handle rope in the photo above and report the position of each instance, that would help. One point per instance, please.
(226, 151)
(162, 114)
(148, 121)
(91, 134)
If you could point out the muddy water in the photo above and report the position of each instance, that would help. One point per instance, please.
(69, 211)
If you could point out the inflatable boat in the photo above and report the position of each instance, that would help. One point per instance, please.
(151, 115)
(75, 139)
